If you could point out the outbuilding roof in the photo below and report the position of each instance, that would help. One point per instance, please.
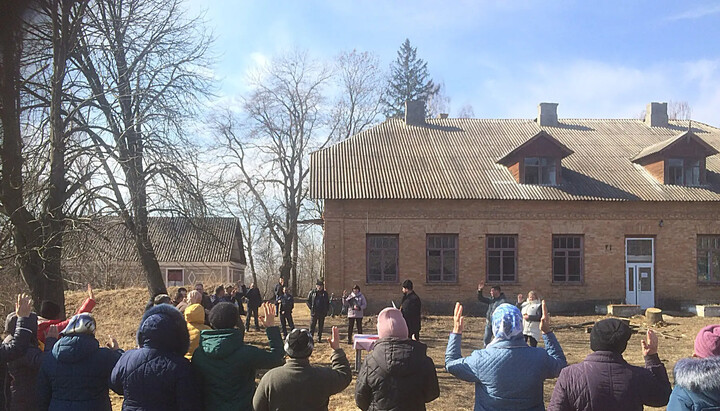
(456, 158)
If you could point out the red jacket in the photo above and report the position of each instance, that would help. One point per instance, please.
(43, 325)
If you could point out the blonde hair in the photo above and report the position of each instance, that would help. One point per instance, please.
(533, 293)
(194, 297)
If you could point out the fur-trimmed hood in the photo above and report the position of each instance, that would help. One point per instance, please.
(698, 374)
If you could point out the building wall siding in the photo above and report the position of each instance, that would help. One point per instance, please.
(603, 225)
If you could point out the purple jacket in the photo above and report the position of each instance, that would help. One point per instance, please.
(605, 381)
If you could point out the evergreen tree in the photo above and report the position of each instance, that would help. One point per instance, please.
(408, 81)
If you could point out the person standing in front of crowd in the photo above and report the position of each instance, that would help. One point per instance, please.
(279, 291)
(605, 381)
(319, 303)
(356, 305)
(397, 374)
(76, 375)
(297, 385)
(497, 297)
(227, 366)
(531, 311)
(286, 303)
(53, 314)
(411, 308)
(508, 375)
(254, 302)
(697, 379)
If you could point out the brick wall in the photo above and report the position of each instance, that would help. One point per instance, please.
(604, 225)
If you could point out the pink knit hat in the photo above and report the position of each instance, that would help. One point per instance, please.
(392, 324)
(707, 342)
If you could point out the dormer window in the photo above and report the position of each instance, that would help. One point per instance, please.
(540, 170)
(683, 172)
(678, 161)
(537, 161)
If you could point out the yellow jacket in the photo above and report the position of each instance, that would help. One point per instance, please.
(195, 317)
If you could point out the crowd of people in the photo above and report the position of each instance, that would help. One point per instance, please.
(191, 355)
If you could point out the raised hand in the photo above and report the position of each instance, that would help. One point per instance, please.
(520, 298)
(650, 343)
(481, 285)
(268, 318)
(112, 343)
(334, 338)
(23, 305)
(458, 319)
(91, 295)
(52, 332)
(545, 319)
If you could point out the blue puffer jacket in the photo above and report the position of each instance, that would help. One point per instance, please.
(508, 375)
(157, 376)
(75, 377)
(697, 385)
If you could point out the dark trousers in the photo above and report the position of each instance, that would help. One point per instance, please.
(252, 311)
(286, 318)
(530, 340)
(351, 322)
(414, 333)
(318, 320)
(488, 333)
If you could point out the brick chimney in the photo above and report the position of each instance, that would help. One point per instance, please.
(656, 115)
(547, 114)
(415, 112)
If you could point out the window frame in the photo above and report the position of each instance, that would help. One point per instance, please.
(368, 249)
(709, 258)
(550, 166)
(442, 250)
(501, 249)
(167, 275)
(685, 171)
(566, 258)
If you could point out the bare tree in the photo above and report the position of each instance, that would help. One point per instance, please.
(270, 147)
(361, 84)
(679, 110)
(438, 102)
(145, 64)
(466, 111)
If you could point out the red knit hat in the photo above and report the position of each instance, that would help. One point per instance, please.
(707, 342)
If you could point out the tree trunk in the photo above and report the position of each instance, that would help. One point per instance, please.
(653, 316)
(293, 271)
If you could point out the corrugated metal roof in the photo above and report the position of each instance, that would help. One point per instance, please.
(456, 159)
(181, 239)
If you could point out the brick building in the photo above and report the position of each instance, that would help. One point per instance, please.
(583, 211)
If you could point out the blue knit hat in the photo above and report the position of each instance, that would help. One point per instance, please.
(507, 322)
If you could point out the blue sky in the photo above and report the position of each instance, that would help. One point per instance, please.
(603, 59)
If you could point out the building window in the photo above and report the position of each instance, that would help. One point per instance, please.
(683, 172)
(382, 258)
(539, 170)
(442, 258)
(175, 276)
(502, 258)
(567, 258)
(708, 258)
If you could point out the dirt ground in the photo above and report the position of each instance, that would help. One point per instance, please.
(119, 312)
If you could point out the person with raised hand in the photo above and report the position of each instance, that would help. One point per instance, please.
(605, 381)
(53, 314)
(226, 366)
(508, 374)
(76, 375)
(298, 385)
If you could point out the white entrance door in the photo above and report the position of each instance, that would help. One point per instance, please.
(639, 272)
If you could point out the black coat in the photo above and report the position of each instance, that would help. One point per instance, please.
(492, 303)
(411, 308)
(278, 291)
(287, 303)
(397, 375)
(254, 298)
(318, 302)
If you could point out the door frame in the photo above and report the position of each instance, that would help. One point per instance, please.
(636, 266)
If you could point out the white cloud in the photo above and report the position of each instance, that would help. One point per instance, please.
(696, 13)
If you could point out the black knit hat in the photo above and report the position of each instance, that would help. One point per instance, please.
(299, 343)
(224, 315)
(407, 284)
(319, 282)
(49, 310)
(610, 335)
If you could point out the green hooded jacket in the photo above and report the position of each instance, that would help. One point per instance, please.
(227, 366)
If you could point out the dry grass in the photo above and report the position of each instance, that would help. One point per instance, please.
(119, 312)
